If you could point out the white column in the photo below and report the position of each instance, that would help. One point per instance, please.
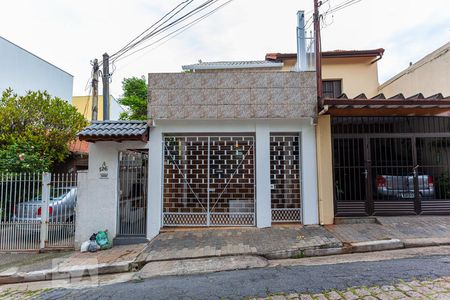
(155, 163)
(309, 177)
(263, 199)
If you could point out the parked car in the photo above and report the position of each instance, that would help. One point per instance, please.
(61, 207)
(399, 186)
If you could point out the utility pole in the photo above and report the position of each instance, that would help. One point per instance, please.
(95, 70)
(105, 78)
(318, 50)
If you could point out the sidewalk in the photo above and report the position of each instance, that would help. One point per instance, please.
(179, 251)
(25, 267)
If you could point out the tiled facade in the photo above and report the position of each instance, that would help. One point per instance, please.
(232, 95)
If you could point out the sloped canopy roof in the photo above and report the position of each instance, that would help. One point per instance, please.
(115, 131)
(380, 105)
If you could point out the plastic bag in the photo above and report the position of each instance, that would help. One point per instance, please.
(84, 246)
(93, 247)
(102, 240)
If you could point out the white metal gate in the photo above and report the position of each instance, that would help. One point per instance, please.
(209, 180)
(37, 211)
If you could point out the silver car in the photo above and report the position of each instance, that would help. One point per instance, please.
(61, 207)
(397, 186)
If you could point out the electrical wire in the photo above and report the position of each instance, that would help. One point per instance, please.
(160, 30)
(178, 31)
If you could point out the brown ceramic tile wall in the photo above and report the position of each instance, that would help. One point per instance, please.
(232, 95)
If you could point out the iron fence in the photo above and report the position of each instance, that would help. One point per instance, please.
(37, 211)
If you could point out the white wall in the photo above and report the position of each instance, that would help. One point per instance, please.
(23, 71)
(262, 129)
(97, 199)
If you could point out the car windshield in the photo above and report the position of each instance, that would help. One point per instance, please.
(55, 194)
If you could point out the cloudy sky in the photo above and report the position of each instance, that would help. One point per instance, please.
(71, 33)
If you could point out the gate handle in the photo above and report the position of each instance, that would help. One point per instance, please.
(365, 173)
(415, 170)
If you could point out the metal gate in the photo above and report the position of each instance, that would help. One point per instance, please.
(285, 177)
(209, 180)
(133, 183)
(37, 211)
(391, 165)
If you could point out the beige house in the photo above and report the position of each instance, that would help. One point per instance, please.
(428, 76)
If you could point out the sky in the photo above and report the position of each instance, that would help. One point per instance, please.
(70, 34)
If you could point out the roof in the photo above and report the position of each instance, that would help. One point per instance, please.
(330, 54)
(8, 41)
(426, 59)
(220, 65)
(115, 131)
(396, 105)
(79, 147)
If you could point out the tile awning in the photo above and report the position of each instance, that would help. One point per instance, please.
(115, 131)
(397, 105)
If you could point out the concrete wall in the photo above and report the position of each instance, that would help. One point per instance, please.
(325, 170)
(358, 74)
(262, 130)
(97, 199)
(428, 76)
(232, 95)
(23, 71)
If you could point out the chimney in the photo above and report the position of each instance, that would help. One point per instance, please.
(301, 47)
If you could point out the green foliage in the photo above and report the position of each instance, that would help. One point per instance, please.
(35, 131)
(135, 92)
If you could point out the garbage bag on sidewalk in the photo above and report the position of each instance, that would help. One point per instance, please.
(93, 247)
(102, 240)
(85, 246)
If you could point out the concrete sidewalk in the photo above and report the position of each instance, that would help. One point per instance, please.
(208, 250)
(26, 267)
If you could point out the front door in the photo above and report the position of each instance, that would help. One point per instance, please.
(133, 170)
(209, 180)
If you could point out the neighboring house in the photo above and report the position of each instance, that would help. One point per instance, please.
(77, 159)
(429, 76)
(23, 71)
(223, 149)
(84, 106)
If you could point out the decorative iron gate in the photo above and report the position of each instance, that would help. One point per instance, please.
(285, 177)
(37, 211)
(209, 180)
(391, 165)
(133, 183)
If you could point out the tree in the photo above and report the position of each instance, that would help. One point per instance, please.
(35, 131)
(135, 92)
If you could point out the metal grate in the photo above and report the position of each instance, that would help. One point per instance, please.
(209, 181)
(285, 177)
(391, 165)
(133, 182)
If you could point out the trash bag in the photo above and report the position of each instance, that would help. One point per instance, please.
(93, 247)
(93, 236)
(102, 240)
(84, 246)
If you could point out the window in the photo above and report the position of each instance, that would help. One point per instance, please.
(332, 88)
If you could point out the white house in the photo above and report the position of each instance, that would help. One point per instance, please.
(23, 71)
(219, 149)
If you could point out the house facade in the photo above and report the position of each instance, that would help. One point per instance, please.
(223, 149)
(23, 71)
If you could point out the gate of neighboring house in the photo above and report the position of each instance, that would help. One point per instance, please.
(37, 211)
(391, 165)
(209, 180)
(133, 183)
(285, 176)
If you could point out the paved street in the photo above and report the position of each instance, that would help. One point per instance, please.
(378, 276)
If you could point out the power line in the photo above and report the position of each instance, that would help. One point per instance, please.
(178, 31)
(159, 29)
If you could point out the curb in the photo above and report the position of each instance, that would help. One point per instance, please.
(65, 272)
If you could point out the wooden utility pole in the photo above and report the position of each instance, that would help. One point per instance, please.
(95, 70)
(105, 78)
(318, 50)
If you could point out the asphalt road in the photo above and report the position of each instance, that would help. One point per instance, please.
(261, 282)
